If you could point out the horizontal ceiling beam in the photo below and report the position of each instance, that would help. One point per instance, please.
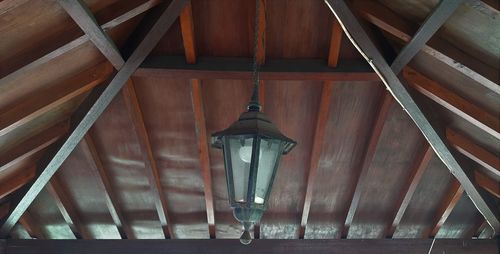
(226, 246)
(241, 68)
(368, 50)
(154, 35)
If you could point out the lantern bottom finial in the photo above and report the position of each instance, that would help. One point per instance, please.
(246, 238)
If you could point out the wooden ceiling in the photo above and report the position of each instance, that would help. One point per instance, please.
(145, 169)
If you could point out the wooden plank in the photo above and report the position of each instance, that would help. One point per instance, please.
(319, 137)
(453, 102)
(487, 183)
(78, 41)
(432, 23)
(82, 15)
(474, 152)
(33, 145)
(164, 22)
(390, 22)
(7, 5)
(410, 187)
(240, 68)
(187, 30)
(201, 131)
(31, 226)
(451, 200)
(335, 44)
(359, 246)
(17, 181)
(368, 155)
(260, 54)
(368, 50)
(153, 175)
(103, 180)
(47, 101)
(67, 208)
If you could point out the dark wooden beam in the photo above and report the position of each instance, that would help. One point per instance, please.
(164, 22)
(368, 156)
(474, 152)
(8, 5)
(187, 30)
(410, 187)
(359, 246)
(31, 226)
(390, 22)
(82, 15)
(487, 183)
(432, 23)
(368, 50)
(4, 209)
(33, 145)
(78, 41)
(450, 201)
(46, 101)
(201, 132)
(319, 137)
(453, 102)
(152, 172)
(17, 181)
(241, 68)
(67, 208)
(335, 44)
(260, 54)
(104, 182)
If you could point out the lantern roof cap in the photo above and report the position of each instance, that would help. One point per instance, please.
(253, 123)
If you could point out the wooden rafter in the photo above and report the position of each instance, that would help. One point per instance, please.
(450, 201)
(335, 44)
(453, 102)
(473, 151)
(240, 68)
(390, 22)
(4, 209)
(261, 34)
(17, 181)
(47, 101)
(187, 30)
(31, 226)
(67, 208)
(368, 156)
(78, 41)
(487, 183)
(410, 187)
(201, 131)
(319, 137)
(104, 182)
(365, 46)
(164, 22)
(33, 145)
(432, 23)
(152, 172)
(83, 16)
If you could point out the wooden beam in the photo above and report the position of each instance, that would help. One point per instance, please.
(390, 22)
(368, 50)
(4, 209)
(164, 22)
(368, 156)
(261, 33)
(474, 152)
(46, 101)
(453, 102)
(410, 187)
(33, 145)
(82, 15)
(104, 182)
(432, 23)
(319, 137)
(17, 181)
(226, 246)
(152, 172)
(450, 201)
(335, 44)
(31, 226)
(240, 68)
(487, 183)
(201, 133)
(7, 5)
(67, 208)
(187, 30)
(78, 41)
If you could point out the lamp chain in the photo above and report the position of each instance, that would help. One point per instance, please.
(254, 101)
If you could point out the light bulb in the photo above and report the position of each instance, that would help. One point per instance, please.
(246, 153)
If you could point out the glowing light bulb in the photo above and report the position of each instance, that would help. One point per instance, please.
(246, 153)
(259, 200)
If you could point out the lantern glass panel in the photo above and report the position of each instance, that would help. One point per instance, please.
(241, 155)
(270, 151)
